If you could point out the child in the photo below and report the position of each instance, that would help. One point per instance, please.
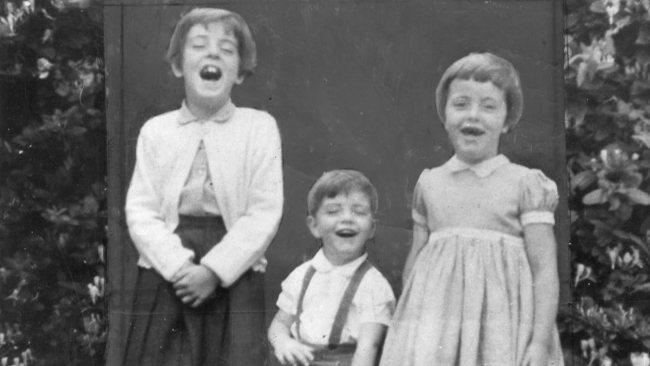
(334, 309)
(481, 282)
(204, 203)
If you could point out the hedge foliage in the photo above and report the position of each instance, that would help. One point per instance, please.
(52, 183)
(607, 84)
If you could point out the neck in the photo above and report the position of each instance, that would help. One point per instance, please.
(339, 259)
(205, 109)
(475, 160)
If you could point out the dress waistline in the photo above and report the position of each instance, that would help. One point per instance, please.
(474, 233)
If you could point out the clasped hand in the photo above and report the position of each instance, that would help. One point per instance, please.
(291, 352)
(194, 284)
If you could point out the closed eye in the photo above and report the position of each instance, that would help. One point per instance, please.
(459, 102)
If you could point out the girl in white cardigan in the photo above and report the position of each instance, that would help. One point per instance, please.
(204, 203)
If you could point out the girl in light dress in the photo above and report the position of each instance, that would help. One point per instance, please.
(481, 281)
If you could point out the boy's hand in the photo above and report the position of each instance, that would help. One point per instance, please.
(291, 352)
(194, 284)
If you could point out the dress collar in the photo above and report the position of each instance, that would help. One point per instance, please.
(321, 264)
(482, 169)
(222, 114)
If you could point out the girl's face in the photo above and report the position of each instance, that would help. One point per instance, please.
(475, 115)
(344, 224)
(209, 65)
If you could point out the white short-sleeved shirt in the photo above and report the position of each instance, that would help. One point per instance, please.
(374, 301)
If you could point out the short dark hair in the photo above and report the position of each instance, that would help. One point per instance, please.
(484, 67)
(232, 21)
(335, 182)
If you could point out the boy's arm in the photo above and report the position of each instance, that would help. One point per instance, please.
(286, 349)
(420, 236)
(162, 248)
(248, 238)
(369, 343)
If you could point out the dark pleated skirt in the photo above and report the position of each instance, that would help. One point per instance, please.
(226, 330)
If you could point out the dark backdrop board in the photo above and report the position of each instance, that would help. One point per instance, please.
(351, 84)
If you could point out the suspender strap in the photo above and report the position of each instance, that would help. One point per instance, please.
(346, 301)
(344, 306)
(305, 283)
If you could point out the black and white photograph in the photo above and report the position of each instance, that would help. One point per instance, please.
(316, 182)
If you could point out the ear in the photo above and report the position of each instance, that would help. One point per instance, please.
(240, 79)
(313, 227)
(178, 72)
(373, 228)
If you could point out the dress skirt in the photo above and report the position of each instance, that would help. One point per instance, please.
(228, 329)
(468, 301)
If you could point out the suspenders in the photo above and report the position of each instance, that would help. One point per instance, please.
(344, 306)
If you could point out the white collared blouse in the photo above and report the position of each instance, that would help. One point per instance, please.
(245, 162)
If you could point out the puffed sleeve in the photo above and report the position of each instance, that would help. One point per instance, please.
(539, 198)
(374, 301)
(291, 287)
(419, 209)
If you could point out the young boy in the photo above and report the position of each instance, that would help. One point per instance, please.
(204, 203)
(334, 309)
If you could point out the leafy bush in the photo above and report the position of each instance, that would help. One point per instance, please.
(607, 82)
(52, 184)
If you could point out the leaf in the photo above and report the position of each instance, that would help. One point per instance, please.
(624, 211)
(644, 34)
(598, 6)
(583, 179)
(642, 288)
(595, 197)
(638, 196)
(643, 138)
(90, 205)
(77, 131)
(586, 71)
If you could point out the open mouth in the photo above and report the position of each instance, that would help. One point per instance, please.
(471, 131)
(346, 233)
(211, 73)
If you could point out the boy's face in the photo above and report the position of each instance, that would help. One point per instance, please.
(475, 117)
(209, 65)
(344, 224)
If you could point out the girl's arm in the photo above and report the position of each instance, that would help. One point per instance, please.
(288, 350)
(541, 251)
(420, 236)
(250, 235)
(161, 247)
(369, 343)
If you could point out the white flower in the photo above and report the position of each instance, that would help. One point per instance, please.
(43, 65)
(28, 6)
(96, 289)
(101, 252)
(612, 8)
(582, 273)
(639, 359)
(605, 361)
(613, 254)
(587, 346)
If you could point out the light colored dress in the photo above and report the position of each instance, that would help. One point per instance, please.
(469, 298)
